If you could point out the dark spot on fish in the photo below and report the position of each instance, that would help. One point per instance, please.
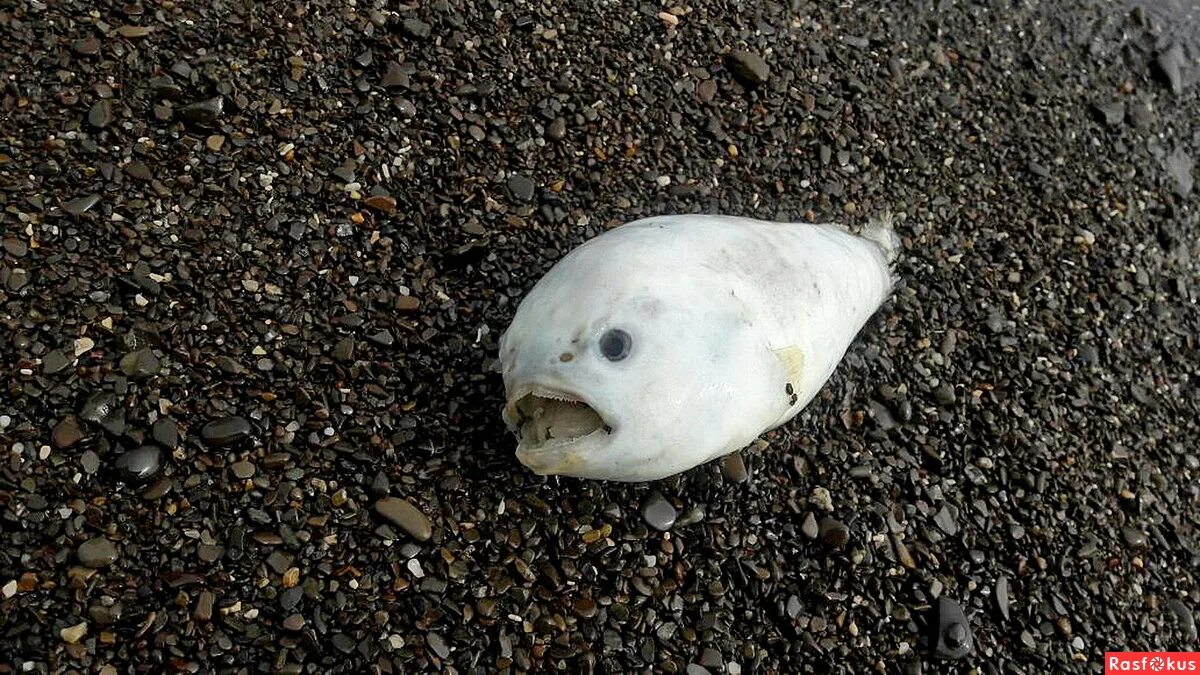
(794, 399)
(789, 389)
(566, 356)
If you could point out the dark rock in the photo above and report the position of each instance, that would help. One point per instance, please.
(520, 187)
(140, 364)
(203, 112)
(833, 533)
(139, 464)
(747, 67)
(408, 517)
(1112, 113)
(97, 552)
(417, 28)
(101, 114)
(1169, 65)
(78, 207)
(658, 512)
(225, 431)
(952, 639)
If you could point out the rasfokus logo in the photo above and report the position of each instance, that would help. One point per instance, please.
(1134, 663)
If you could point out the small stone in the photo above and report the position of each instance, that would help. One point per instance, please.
(417, 28)
(1179, 167)
(408, 517)
(395, 76)
(821, 499)
(734, 468)
(438, 645)
(158, 489)
(944, 394)
(1168, 67)
(97, 552)
(9, 589)
(293, 622)
(140, 364)
(520, 187)
(140, 463)
(1187, 620)
(748, 67)
(1112, 113)
(214, 142)
(794, 606)
(1001, 595)
(344, 350)
(128, 31)
(833, 533)
(88, 46)
(55, 361)
(809, 527)
(77, 207)
(658, 512)
(204, 606)
(104, 409)
(952, 634)
(225, 431)
(16, 247)
(242, 469)
(903, 554)
(945, 521)
(1134, 537)
(381, 203)
(101, 113)
(166, 433)
(73, 634)
(90, 462)
(407, 303)
(383, 338)
(557, 129)
(203, 112)
(706, 91)
(290, 598)
(66, 433)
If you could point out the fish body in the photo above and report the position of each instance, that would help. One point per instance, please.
(670, 341)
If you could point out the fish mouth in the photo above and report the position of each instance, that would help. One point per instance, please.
(556, 429)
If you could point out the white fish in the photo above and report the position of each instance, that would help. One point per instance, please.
(671, 341)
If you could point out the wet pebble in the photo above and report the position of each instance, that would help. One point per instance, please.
(809, 526)
(520, 187)
(97, 552)
(408, 517)
(833, 533)
(139, 464)
(734, 468)
(203, 112)
(952, 637)
(748, 67)
(101, 114)
(80, 205)
(658, 512)
(140, 364)
(1001, 595)
(67, 433)
(1134, 537)
(242, 469)
(225, 431)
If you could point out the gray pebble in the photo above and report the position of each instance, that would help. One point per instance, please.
(225, 431)
(97, 552)
(658, 512)
(748, 67)
(952, 634)
(408, 517)
(520, 187)
(140, 463)
(203, 112)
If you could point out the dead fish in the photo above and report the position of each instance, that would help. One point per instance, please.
(670, 341)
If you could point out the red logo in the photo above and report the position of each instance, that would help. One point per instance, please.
(1151, 663)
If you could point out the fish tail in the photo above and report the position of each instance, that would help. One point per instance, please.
(881, 232)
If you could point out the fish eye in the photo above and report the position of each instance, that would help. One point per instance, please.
(615, 344)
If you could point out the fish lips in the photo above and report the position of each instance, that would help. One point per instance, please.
(555, 456)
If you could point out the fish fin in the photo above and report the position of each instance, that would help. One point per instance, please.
(881, 232)
(792, 359)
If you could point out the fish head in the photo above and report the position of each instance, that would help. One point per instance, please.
(622, 380)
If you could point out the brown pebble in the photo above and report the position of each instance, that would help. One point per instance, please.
(384, 203)
(204, 606)
(214, 142)
(408, 517)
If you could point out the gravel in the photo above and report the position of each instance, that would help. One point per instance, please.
(287, 239)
